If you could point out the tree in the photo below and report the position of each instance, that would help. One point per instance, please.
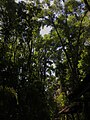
(19, 30)
(69, 31)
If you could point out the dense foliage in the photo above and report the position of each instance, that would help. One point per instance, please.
(39, 74)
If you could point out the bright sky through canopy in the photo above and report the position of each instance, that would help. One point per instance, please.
(45, 30)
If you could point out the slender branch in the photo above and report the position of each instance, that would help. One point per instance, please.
(87, 4)
(80, 32)
(69, 61)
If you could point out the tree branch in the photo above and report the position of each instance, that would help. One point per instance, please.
(87, 4)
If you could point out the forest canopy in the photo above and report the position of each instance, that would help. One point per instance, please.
(44, 77)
